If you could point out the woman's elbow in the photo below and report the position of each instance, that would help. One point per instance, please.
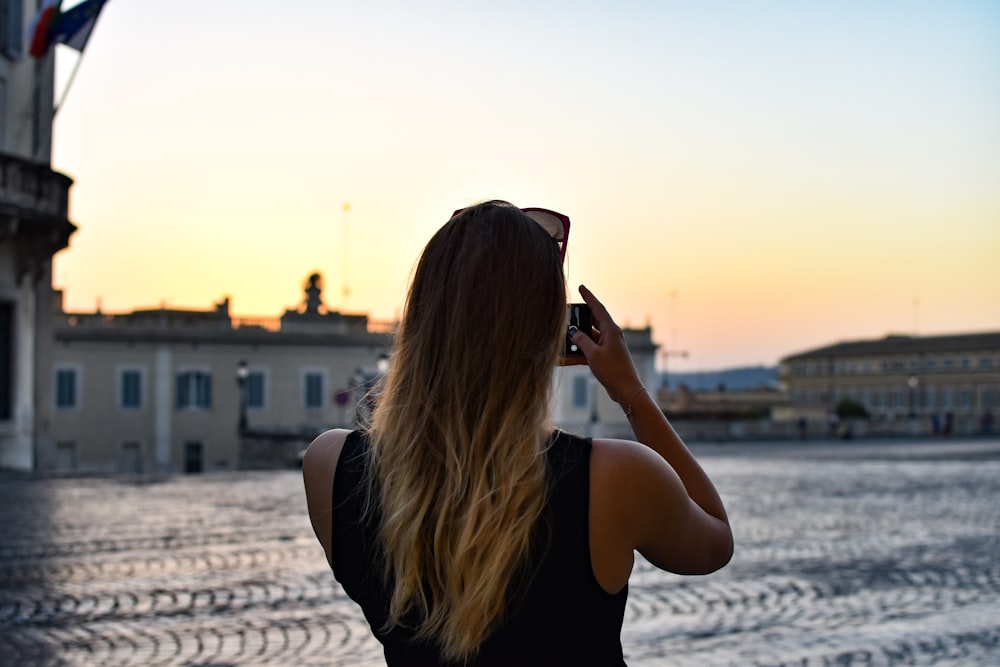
(724, 552)
(718, 552)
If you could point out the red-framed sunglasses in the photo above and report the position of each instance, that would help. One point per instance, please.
(555, 225)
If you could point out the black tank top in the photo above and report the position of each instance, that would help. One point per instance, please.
(557, 612)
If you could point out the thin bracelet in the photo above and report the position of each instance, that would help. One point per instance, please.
(628, 408)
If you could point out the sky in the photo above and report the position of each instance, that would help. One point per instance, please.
(751, 180)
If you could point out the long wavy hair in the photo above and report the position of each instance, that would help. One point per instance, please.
(462, 423)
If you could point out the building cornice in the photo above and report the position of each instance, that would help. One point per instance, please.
(903, 345)
(254, 337)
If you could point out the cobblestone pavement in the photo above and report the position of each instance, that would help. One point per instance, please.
(847, 554)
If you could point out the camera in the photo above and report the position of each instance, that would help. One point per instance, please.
(577, 315)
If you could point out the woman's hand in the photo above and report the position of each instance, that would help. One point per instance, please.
(607, 353)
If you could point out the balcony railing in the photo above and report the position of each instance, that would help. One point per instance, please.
(34, 203)
(33, 189)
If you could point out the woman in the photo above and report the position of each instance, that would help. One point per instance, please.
(467, 528)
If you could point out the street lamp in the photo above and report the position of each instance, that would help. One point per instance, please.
(242, 373)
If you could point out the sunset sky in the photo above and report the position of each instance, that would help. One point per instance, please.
(750, 179)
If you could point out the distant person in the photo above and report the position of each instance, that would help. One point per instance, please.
(833, 423)
(466, 527)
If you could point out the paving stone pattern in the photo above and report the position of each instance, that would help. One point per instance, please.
(847, 554)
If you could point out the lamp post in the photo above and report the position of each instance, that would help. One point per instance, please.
(382, 365)
(242, 373)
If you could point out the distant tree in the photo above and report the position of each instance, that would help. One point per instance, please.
(849, 409)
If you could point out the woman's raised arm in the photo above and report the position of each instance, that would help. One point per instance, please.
(675, 515)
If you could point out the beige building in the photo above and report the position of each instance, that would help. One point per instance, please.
(906, 383)
(34, 225)
(166, 390)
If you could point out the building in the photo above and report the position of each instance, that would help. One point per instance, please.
(168, 390)
(721, 404)
(946, 384)
(34, 225)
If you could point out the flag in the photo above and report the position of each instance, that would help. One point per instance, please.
(38, 31)
(71, 27)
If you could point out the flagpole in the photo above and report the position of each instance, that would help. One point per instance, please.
(69, 83)
(58, 104)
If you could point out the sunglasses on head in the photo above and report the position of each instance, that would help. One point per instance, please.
(555, 225)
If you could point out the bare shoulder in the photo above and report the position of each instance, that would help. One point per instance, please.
(646, 501)
(620, 474)
(318, 467)
(325, 448)
(634, 471)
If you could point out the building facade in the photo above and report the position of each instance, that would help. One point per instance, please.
(34, 225)
(941, 384)
(166, 390)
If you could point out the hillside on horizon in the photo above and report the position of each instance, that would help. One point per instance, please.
(735, 379)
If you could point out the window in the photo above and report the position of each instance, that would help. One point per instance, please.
(6, 356)
(3, 112)
(897, 398)
(255, 390)
(965, 397)
(947, 398)
(130, 389)
(194, 390)
(878, 398)
(985, 363)
(193, 457)
(581, 392)
(314, 390)
(66, 388)
(929, 397)
(11, 29)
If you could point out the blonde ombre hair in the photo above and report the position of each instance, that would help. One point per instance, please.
(462, 423)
